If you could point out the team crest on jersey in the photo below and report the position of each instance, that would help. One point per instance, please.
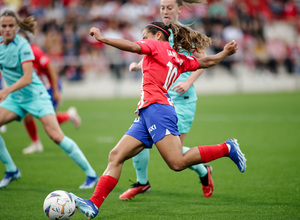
(172, 53)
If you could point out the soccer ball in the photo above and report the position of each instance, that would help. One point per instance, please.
(59, 205)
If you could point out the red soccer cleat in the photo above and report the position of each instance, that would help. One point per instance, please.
(208, 190)
(136, 188)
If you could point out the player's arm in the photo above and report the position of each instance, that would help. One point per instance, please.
(25, 80)
(208, 61)
(54, 81)
(182, 87)
(121, 44)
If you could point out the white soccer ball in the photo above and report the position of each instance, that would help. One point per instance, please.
(59, 205)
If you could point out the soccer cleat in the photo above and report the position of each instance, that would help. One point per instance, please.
(89, 183)
(74, 116)
(136, 188)
(87, 207)
(3, 128)
(34, 147)
(9, 177)
(208, 190)
(236, 155)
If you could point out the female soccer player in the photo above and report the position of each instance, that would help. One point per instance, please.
(184, 97)
(48, 75)
(27, 94)
(157, 122)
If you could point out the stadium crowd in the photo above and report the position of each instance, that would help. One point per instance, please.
(267, 31)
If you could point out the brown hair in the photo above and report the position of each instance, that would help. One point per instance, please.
(185, 39)
(27, 24)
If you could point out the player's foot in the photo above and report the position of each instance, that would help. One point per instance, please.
(209, 188)
(87, 207)
(34, 147)
(136, 188)
(89, 183)
(9, 177)
(3, 129)
(236, 155)
(74, 117)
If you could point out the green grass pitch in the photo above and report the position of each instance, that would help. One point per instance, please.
(266, 125)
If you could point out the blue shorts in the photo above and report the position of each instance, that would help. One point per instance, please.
(155, 122)
(37, 107)
(186, 114)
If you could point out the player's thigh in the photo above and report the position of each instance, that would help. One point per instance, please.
(126, 148)
(7, 116)
(170, 149)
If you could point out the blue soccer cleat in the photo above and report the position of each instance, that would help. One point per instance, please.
(89, 183)
(9, 177)
(236, 155)
(87, 207)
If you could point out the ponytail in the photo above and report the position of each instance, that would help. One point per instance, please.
(27, 24)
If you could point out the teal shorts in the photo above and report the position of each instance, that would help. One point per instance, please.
(185, 113)
(37, 107)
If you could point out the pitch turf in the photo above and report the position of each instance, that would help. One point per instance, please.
(266, 125)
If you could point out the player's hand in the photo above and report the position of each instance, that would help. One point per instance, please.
(133, 67)
(181, 87)
(96, 33)
(3, 94)
(231, 48)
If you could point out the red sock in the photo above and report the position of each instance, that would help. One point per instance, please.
(212, 152)
(62, 117)
(32, 130)
(105, 185)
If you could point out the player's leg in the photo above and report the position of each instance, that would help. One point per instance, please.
(70, 115)
(168, 148)
(31, 128)
(53, 130)
(140, 163)
(186, 113)
(12, 172)
(127, 147)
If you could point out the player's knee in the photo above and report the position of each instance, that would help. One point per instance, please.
(177, 167)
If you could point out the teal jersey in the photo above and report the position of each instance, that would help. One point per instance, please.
(190, 95)
(11, 58)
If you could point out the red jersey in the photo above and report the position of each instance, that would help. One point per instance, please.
(161, 66)
(40, 64)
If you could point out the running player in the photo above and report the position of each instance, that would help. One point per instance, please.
(48, 75)
(157, 121)
(25, 93)
(184, 97)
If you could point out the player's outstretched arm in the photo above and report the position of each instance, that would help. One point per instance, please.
(121, 44)
(229, 49)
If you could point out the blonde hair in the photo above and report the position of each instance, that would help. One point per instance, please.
(189, 2)
(27, 24)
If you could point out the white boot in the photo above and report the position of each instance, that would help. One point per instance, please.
(34, 147)
(75, 118)
(3, 129)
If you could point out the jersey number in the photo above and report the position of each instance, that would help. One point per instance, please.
(171, 77)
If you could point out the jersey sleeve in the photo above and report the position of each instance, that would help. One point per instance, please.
(26, 53)
(190, 63)
(147, 46)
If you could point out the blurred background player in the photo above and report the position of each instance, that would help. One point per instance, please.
(25, 93)
(184, 97)
(48, 75)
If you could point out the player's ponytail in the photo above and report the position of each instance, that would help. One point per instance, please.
(187, 39)
(189, 2)
(27, 24)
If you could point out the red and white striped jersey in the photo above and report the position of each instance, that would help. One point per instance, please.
(161, 66)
